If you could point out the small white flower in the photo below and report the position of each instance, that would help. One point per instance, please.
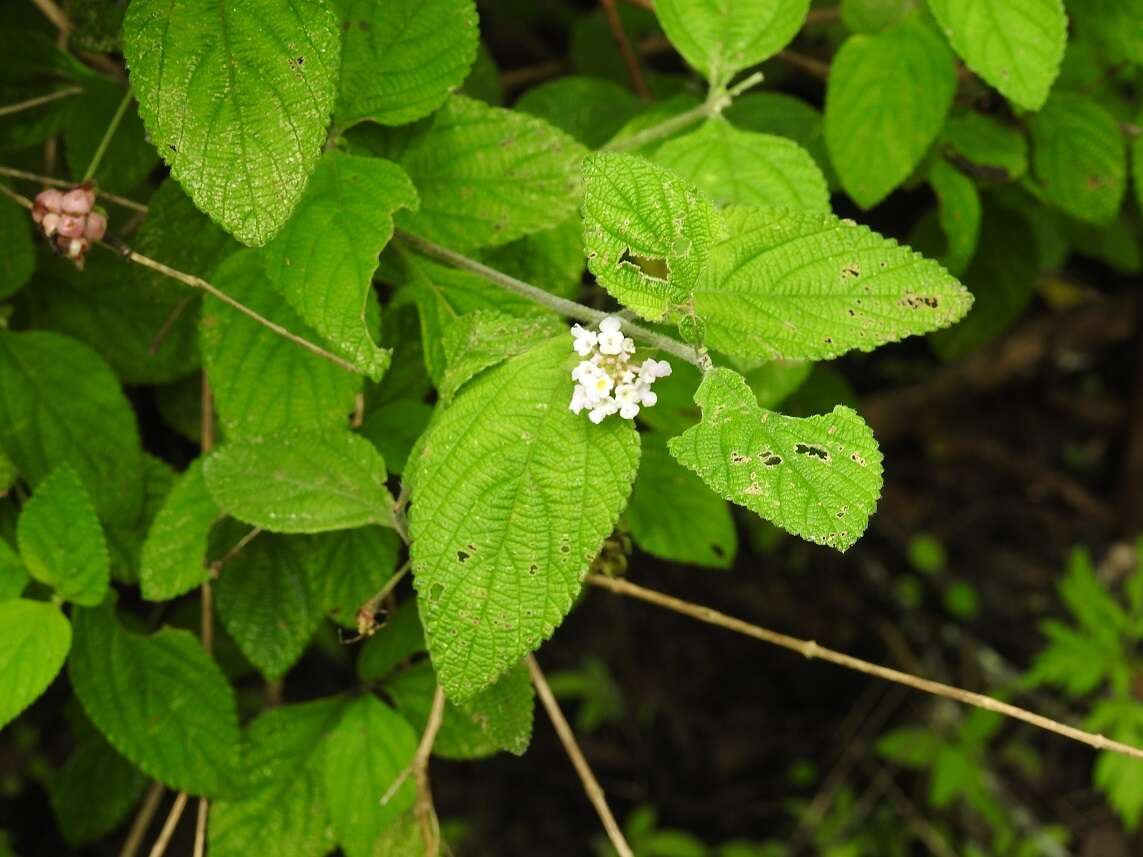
(647, 396)
(584, 371)
(610, 341)
(627, 396)
(605, 408)
(610, 324)
(600, 386)
(584, 340)
(579, 400)
(628, 345)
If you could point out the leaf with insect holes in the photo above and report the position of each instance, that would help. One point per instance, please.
(236, 97)
(647, 233)
(324, 258)
(512, 497)
(722, 37)
(61, 541)
(817, 477)
(34, 640)
(400, 59)
(301, 482)
(174, 552)
(1015, 45)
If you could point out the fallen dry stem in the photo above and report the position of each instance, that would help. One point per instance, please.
(423, 808)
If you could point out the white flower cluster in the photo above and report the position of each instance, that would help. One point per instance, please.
(608, 382)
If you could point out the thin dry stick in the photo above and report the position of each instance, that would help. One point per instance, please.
(810, 649)
(423, 809)
(54, 14)
(48, 181)
(571, 747)
(9, 109)
(142, 820)
(206, 442)
(200, 828)
(366, 625)
(625, 51)
(160, 846)
(812, 67)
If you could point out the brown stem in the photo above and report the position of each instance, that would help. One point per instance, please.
(40, 100)
(423, 809)
(625, 51)
(812, 67)
(160, 846)
(571, 747)
(54, 14)
(14, 173)
(147, 808)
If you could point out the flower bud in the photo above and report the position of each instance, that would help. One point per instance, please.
(78, 200)
(96, 226)
(71, 226)
(50, 224)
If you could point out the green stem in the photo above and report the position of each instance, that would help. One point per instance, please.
(571, 309)
(112, 127)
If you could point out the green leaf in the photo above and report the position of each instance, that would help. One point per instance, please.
(324, 258)
(52, 391)
(818, 477)
(236, 98)
(484, 82)
(61, 541)
(513, 495)
(1116, 24)
(996, 151)
(786, 116)
(282, 811)
(1015, 45)
(1096, 611)
(400, 59)
(487, 176)
(363, 756)
(504, 711)
(722, 37)
(394, 427)
(872, 16)
(19, 258)
(34, 640)
(1080, 157)
(13, 576)
(647, 233)
(1120, 777)
(887, 98)
(174, 553)
(797, 285)
(741, 167)
(350, 566)
(552, 259)
(161, 701)
(911, 746)
(269, 601)
(129, 158)
(1073, 660)
(591, 109)
(673, 516)
(484, 338)
(125, 538)
(396, 641)
(301, 482)
(262, 382)
(960, 213)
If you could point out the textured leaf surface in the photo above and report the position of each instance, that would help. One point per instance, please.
(363, 757)
(352, 565)
(269, 602)
(160, 700)
(484, 338)
(818, 477)
(13, 576)
(282, 811)
(262, 382)
(786, 116)
(236, 97)
(960, 213)
(721, 37)
(674, 516)
(987, 144)
(512, 497)
(174, 552)
(647, 233)
(809, 286)
(887, 98)
(301, 482)
(1016, 45)
(34, 640)
(487, 176)
(591, 109)
(61, 541)
(19, 258)
(401, 58)
(52, 391)
(1080, 157)
(324, 258)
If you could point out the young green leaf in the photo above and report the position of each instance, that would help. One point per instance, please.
(1015, 45)
(741, 167)
(53, 390)
(484, 338)
(301, 482)
(19, 258)
(647, 233)
(236, 100)
(269, 601)
(694, 527)
(797, 285)
(886, 101)
(282, 811)
(161, 701)
(1080, 157)
(513, 495)
(349, 566)
(722, 37)
(262, 382)
(960, 213)
(1118, 776)
(61, 541)
(364, 755)
(591, 109)
(324, 258)
(174, 552)
(400, 60)
(34, 640)
(487, 176)
(818, 477)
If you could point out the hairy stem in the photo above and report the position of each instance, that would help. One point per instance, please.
(39, 100)
(810, 649)
(105, 141)
(571, 309)
(571, 747)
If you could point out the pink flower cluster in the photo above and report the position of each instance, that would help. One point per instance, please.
(69, 220)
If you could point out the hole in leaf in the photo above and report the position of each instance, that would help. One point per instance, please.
(811, 450)
(917, 301)
(435, 592)
(770, 459)
(652, 269)
(462, 556)
(717, 550)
